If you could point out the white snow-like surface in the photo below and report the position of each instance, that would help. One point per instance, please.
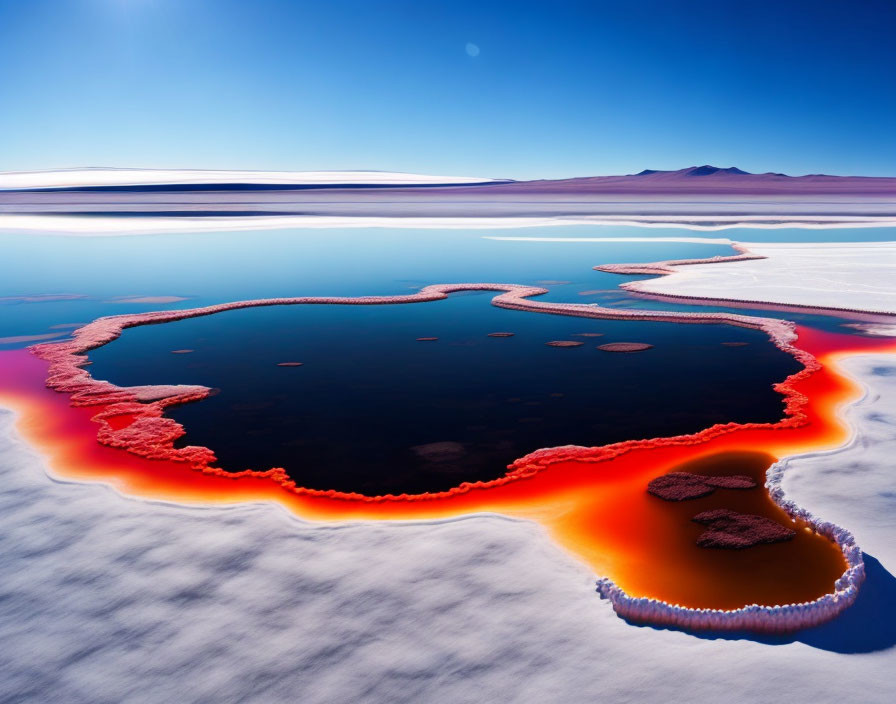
(586, 240)
(855, 486)
(68, 178)
(87, 225)
(108, 599)
(854, 276)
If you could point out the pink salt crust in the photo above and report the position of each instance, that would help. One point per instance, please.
(152, 435)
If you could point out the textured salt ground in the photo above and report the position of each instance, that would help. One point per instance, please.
(855, 486)
(854, 276)
(106, 599)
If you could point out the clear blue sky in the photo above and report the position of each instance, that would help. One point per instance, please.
(556, 89)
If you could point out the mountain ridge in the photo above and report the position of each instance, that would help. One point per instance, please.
(692, 180)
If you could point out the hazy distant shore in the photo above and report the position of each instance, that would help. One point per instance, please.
(699, 198)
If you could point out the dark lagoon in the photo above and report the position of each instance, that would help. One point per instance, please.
(372, 409)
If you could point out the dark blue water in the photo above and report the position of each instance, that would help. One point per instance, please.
(376, 411)
(372, 409)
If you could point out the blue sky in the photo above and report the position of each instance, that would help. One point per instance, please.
(557, 88)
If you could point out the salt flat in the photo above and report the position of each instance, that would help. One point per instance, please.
(700, 198)
(105, 177)
(108, 599)
(853, 276)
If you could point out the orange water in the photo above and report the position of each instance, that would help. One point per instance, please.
(599, 511)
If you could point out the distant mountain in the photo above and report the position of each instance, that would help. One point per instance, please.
(698, 196)
(693, 181)
(708, 180)
(705, 170)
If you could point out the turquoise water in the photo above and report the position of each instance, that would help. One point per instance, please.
(214, 267)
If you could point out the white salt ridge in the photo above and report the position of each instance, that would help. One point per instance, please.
(591, 240)
(851, 276)
(876, 329)
(855, 486)
(74, 178)
(106, 599)
(755, 617)
(86, 225)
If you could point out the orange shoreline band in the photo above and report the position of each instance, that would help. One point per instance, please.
(591, 500)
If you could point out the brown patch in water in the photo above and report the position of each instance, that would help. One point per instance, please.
(736, 531)
(682, 486)
(624, 347)
(796, 569)
(564, 343)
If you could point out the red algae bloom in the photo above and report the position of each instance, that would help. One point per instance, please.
(624, 347)
(427, 339)
(290, 364)
(181, 351)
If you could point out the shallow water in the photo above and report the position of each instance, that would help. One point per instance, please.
(214, 267)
